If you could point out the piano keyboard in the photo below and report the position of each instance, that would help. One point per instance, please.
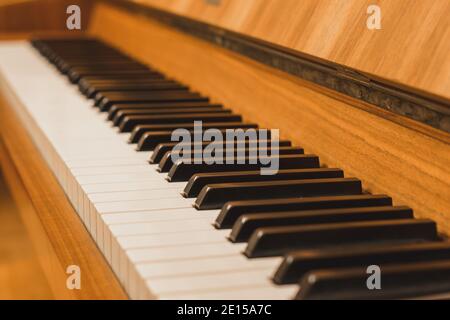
(103, 123)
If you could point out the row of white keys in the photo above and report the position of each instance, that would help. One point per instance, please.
(154, 240)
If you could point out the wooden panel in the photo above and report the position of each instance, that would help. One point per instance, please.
(58, 233)
(8, 36)
(411, 49)
(21, 275)
(391, 154)
(40, 15)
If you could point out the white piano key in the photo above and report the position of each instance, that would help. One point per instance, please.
(131, 186)
(143, 205)
(205, 265)
(108, 170)
(172, 238)
(263, 292)
(160, 227)
(184, 252)
(146, 194)
(152, 216)
(124, 177)
(226, 280)
(99, 157)
(106, 162)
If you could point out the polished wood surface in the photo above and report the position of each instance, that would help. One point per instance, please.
(11, 36)
(40, 15)
(57, 232)
(391, 154)
(21, 275)
(412, 48)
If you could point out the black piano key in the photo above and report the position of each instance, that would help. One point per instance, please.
(139, 131)
(94, 91)
(99, 55)
(66, 66)
(130, 122)
(198, 181)
(74, 77)
(296, 264)
(144, 112)
(248, 223)
(150, 140)
(90, 52)
(163, 148)
(91, 60)
(109, 64)
(149, 74)
(231, 211)
(152, 79)
(143, 92)
(151, 97)
(399, 281)
(107, 84)
(97, 92)
(275, 241)
(214, 196)
(128, 97)
(162, 152)
(183, 171)
(122, 77)
(116, 108)
(87, 85)
(75, 71)
(124, 65)
(79, 57)
(166, 163)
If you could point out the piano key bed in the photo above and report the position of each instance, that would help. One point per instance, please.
(103, 122)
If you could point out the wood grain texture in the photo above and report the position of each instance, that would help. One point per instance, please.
(390, 154)
(411, 49)
(58, 233)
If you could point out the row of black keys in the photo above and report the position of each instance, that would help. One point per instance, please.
(323, 224)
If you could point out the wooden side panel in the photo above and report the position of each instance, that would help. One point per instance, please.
(54, 275)
(58, 233)
(21, 274)
(392, 155)
(412, 48)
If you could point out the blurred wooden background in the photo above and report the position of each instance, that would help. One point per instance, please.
(21, 275)
(20, 18)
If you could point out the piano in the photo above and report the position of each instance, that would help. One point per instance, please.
(363, 117)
